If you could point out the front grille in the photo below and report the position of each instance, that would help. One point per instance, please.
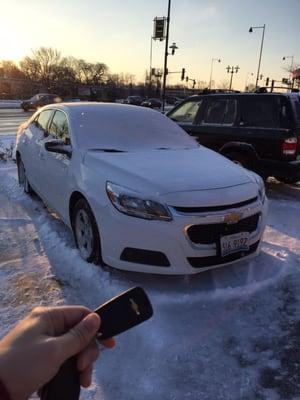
(203, 262)
(211, 233)
(189, 210)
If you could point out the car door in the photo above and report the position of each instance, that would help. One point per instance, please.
(185, 115)
(56, 183)
(33, 141)
(217, 124)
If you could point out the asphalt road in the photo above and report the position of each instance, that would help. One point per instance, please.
(10, 119)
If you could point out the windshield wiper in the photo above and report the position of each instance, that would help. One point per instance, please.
(108, 150)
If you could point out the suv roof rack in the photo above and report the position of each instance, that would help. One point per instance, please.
(215, 91)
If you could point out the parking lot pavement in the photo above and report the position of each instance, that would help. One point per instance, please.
(10, 119)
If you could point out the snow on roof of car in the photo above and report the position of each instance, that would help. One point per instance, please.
(123, 127)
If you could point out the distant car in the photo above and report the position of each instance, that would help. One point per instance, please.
(134, 100)
(172, 100)
(260, 131)
(40, 100)
(137, 191)
(152, 103)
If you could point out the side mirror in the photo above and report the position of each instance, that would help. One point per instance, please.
(58, 146)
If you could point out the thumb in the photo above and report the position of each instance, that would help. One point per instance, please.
(79, 337)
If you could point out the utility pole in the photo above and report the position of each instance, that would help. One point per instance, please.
(166, 58)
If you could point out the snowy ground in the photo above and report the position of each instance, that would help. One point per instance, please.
(228, 334)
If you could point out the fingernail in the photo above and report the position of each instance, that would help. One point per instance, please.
(92, 321)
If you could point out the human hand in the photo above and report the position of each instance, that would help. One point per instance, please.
(32, 353)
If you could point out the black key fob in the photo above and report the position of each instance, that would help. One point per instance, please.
(119, 314)
(123, 312)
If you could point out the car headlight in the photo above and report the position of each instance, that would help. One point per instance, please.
(261, 188)
(128, 202)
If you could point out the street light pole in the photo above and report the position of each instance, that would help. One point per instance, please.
(211, 70)
(166, 57)
(261, 49)
(150, 72)
(232, 70)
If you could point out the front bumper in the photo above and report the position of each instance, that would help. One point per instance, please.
(121, 233)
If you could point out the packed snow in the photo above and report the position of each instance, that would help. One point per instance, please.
(232, 333)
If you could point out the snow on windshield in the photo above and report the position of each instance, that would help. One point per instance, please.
(126, 128)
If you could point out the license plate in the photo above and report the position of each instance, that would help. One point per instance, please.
(234, 243)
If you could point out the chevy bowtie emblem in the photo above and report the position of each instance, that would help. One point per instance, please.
(233, 218)
(135, 307)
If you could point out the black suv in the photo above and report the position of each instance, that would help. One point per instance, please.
(260, 131)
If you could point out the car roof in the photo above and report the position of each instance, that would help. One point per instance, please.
(199, 96)
(73, 108)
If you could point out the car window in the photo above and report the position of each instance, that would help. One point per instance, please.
(186, 112)
(215, 111)
(59, 126)
(230, 112)
(220, 112)
(260, 111)
(296, 102)
(43, 119)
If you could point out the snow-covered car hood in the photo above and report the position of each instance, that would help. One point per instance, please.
(163, 172)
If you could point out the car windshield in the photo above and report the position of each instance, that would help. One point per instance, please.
(126, 128)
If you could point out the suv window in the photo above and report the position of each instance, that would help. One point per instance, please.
(220, 112)
(260, 111)
(186, 112)
(43, 119)
(296, 102)
(59, 126)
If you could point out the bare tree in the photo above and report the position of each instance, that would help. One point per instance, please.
(41, 65)
(10, 70)
(224, 84)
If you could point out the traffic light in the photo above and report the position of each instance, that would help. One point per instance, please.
(194, 83)
(159, 28)
(267, 82)
(186, 78)
(182, 74)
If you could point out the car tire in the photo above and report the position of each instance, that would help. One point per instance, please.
(241, 159)
(286, 179)
(86, 233)
(22, 177)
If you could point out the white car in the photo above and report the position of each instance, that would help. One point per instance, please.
(138, 192)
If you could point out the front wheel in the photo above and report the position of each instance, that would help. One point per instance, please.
(86, 232)
(22, 177)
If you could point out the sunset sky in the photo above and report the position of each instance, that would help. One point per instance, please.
(118, 33)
